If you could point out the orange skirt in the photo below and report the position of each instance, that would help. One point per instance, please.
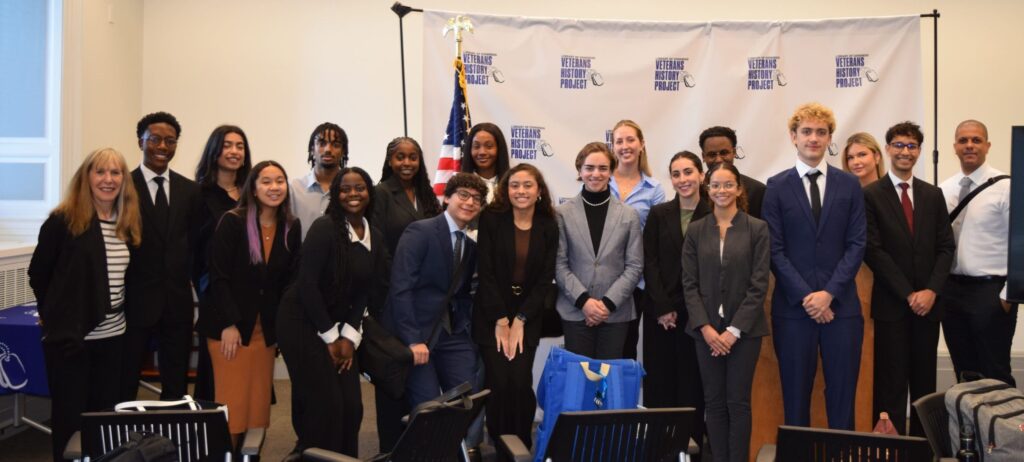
(243, 384)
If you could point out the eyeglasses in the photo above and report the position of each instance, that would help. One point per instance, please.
(717, 154)
(910, 146)
(726, 186)
(154, 141)
(466, 196)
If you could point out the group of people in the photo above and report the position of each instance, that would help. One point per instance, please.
(468, 282)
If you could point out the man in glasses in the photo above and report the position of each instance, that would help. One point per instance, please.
(433, 256)
(910, 248)
(979, 322)
(816, 216)
(159, 291)
(717, 145)
(327, 153)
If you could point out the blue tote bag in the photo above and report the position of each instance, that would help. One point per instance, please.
(572, 382)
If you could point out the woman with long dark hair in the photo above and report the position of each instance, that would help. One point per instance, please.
(486, 155)
(725, 281)
(253, 252)
(404, 193)
(517, 244)
(77, 274)
(670, 357)
(221, 174)
(342, 276)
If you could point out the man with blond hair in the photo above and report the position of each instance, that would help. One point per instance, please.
(816, 216)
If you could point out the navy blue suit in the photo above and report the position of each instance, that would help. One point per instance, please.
(421, 273)
(807, 257)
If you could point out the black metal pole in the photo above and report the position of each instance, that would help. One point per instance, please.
(935, 93)
(402, 10)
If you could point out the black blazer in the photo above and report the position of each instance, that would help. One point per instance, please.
(663, 256)
(737, 280)
(215, 203)
(241, 290)
(392, 211)
(160, 281)
(323, 296)
(903, 263)
(755, 195)
(496, 258)
(68, 275)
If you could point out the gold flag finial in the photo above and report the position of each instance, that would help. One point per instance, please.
(457, 25)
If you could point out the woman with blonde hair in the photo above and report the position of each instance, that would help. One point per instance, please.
(863, 157)
(77, 273)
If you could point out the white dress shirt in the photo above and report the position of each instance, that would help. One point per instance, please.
(899, 191)
(982, 230)
(802, 169)
(152, 186)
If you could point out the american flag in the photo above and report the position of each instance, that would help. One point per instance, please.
(458, 124)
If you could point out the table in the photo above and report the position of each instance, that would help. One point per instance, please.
(22, 367)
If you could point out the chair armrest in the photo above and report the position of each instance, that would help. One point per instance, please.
(766, 453)
(323, 455)
(73, 450)
(253, 441)
(692, 448)
(514, 448)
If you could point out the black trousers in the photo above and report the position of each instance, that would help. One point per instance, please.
(978, 332)
(904, 357)
(389, 420)
(512, 404)
(327, 406)
(603, 341)
(81, 380)
(728, 381)
(174, 339)
(673, 376)
(629, 349)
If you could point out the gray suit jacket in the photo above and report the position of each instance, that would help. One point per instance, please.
(736, 281)
(613, 272)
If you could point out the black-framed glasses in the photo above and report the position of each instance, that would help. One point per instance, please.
(898, 146)
(154, 141)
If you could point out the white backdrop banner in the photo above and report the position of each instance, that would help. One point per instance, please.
(553, 85)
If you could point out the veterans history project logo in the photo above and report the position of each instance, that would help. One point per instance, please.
(669, 72)
(851, 71)
(577, 73)
(763, 73)
(480, 69)
(526, 142)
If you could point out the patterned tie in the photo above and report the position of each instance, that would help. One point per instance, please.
(813, 175)
(965, 187)
(908, 208)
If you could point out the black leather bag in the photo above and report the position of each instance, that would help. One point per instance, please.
(384, 359)
(143, 447)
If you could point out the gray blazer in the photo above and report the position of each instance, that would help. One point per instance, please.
(737, 281)
(613, 272)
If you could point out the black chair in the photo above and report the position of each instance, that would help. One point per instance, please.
(801, 444)
(435, 432)
(635, 435)
(931, 411)
(200, 435)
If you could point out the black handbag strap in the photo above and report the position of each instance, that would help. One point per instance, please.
(960, 207)
(447, 300)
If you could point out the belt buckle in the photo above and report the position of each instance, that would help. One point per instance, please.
(517, 290)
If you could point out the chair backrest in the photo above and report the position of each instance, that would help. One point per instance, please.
(931, 411)
(816, 444)
(200, 435)
(435, 433)
(629, 435)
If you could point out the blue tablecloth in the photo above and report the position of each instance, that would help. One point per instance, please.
(22, 367)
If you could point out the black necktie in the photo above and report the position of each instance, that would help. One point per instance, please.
(459, 238)
(449, 315)
(162, 209)
(815, 194)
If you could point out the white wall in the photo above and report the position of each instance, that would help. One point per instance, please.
(277, 68)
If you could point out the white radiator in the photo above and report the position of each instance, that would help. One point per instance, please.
(14, 288)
